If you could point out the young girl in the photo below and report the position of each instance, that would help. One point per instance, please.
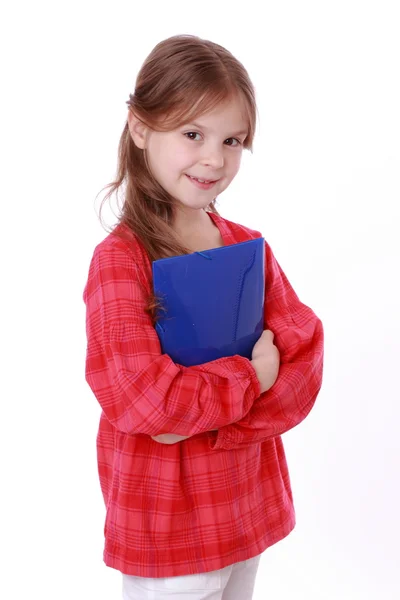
(190, 459)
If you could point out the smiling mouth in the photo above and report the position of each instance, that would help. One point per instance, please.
(202, 180)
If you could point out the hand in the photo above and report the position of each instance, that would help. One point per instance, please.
(171, 438)
(265, 360)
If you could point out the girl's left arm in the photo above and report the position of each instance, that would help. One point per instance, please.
(299, 337)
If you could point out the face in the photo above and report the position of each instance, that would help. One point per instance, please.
(209, 149)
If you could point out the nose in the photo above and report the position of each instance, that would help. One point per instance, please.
(213, 157)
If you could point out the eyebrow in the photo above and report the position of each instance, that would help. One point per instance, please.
(206, 128)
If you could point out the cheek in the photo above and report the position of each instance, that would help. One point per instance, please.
(234, 163)
(163, 161)
(182, 157)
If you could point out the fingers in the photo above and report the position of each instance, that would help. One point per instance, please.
(169, 438)
(268, 334)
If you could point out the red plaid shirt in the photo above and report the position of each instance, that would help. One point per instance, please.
(218, 497)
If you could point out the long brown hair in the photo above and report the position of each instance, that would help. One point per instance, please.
(182, 78)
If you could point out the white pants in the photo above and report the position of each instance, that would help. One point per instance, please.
(235, 582)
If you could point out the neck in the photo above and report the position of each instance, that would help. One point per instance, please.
(190, 222)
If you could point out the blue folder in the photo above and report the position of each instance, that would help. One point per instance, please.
(213, 301)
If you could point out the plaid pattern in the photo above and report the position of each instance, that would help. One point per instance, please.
(218, 497)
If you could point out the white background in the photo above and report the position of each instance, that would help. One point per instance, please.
(323, 187)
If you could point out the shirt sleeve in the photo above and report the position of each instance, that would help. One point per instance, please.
(141, 390)
(299, 337)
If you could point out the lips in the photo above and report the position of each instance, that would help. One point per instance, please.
(202, 180)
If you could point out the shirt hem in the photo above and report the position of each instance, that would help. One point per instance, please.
(238, 555)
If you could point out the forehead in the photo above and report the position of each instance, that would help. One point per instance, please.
(230, 114)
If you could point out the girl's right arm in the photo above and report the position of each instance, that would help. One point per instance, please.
(141, 390)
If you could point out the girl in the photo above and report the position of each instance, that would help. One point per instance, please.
(190, 459)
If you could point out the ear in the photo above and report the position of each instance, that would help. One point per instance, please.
(138, 130)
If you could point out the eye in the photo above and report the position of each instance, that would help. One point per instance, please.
(190, 133)
(235, 140)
